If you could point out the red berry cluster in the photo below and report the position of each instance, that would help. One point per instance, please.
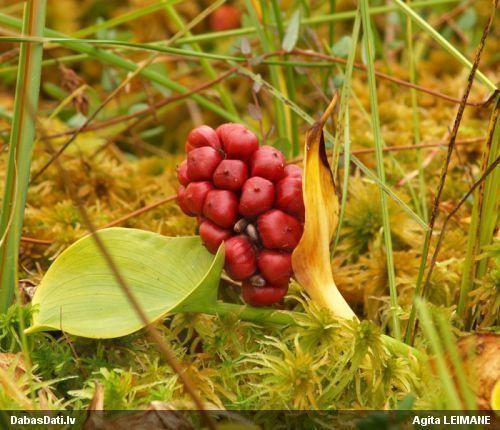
(246, 196)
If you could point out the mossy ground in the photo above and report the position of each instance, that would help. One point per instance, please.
(323, 363)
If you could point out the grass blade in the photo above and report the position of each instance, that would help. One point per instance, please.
(20, 149)
(268, 46)
(313, 20)
(328, 136)
(484, 215)
(415, 118)
(344, 116)
(490, 190)
(420, 287)
(290, 82)
(425, 26)
(437, 348)
(370, 58)
(118, 61)
(224, 95)
(124, 18)
(451, 347)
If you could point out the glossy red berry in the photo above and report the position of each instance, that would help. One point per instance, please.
(293, 171)
(181, 201)
(275, 266)
(279, 230)
(289, 197)
(257, 196)
(202, 162)
(182, 175)
(202, 136)
(195, 196)
(237, 141)
(212, 235)
(247, 198)
(225, 17)
(262, 296)
(268, 163)
(221, 207)
(241, 258)
(230, 175)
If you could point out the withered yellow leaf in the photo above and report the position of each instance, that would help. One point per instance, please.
(311, 258)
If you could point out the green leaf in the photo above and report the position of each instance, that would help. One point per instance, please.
(292, 32)
(342, 47)
(80, 295)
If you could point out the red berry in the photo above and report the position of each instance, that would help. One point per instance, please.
(262, 296)
(241, 258)
(230, 175)
(221, 207)
(289, 197)
(195, 196)
(202, 162)
(202, 136)
(181, 201)
(275, 266)
(225, 17)
(279, 230)
(257, 196)
(182, 175)
(268, 162)
(293, 171)
(212, 235)
(237, 141)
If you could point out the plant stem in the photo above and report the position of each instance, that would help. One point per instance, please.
(315, 20)
(331, 24)
(451, 347)
(370, 54)
(490, 190)
(346, 93)
(224, 95)
(250, 313)
(329, 138)
(420, 288)
(272, 316)
(484, 215)
(124, 18)
(344, 126)
(118, 61)
(20, 149)
(274, 72)
(416, 119)
(290, 84)
(425, 26)
(440, 360)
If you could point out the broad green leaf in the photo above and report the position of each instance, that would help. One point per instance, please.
(80, 295)
(311, 258)
(292, 32)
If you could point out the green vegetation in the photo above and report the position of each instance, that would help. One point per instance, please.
(119, 85)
